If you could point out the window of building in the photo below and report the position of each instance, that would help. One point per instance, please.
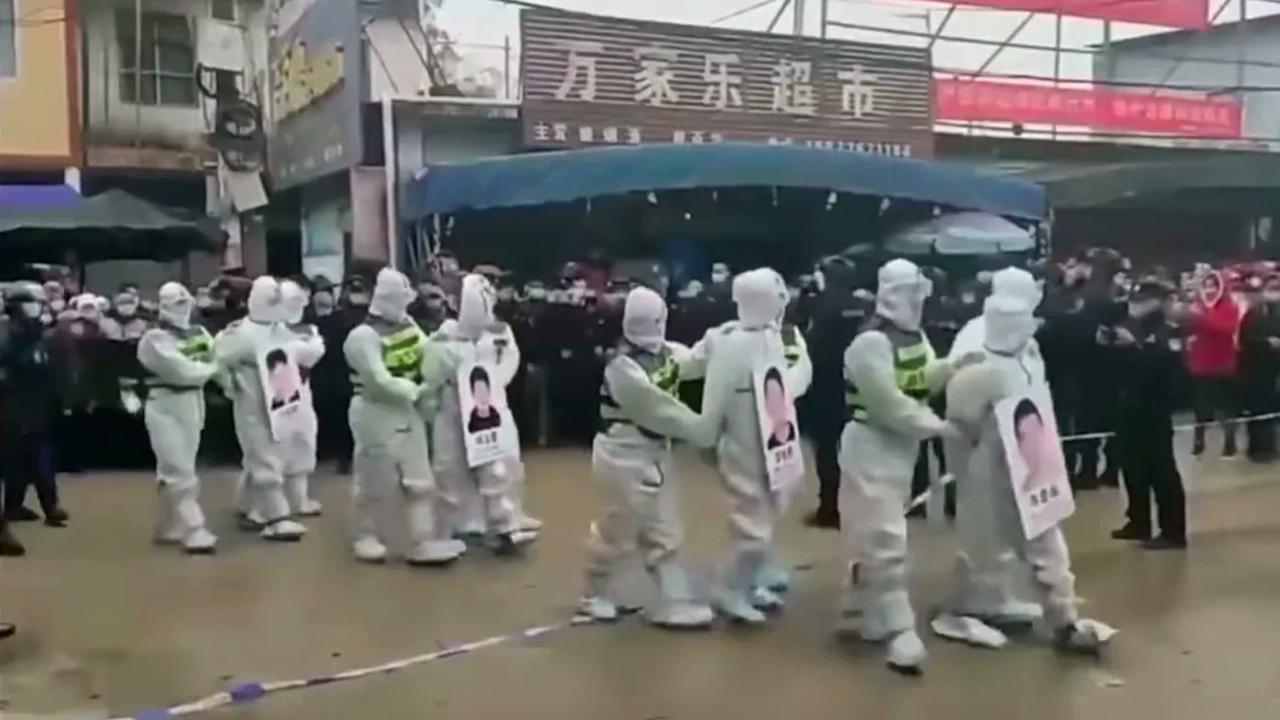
(168, 58)
(8, 39)
(223, 10)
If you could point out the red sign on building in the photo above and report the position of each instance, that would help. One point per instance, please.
(1192, 14)
(983, 101)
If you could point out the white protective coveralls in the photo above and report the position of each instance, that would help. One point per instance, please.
(991, 583)
(634, 470)
(733, 351)
(387, 355)
(179, 357)
(237, 348)
(474, 336)
(993, 523)
(300, 446)
(890, 370)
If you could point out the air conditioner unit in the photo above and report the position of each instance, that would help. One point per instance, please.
(222, 46)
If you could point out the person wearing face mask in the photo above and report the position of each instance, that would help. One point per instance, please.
(330, 381)
(389, 356)
(430, 308)
(633, 466)
(237, 348)
(989, 524)
(475, 336)
(1260, 368)
(31, 407)
(890, 372)
(123, 321)
(56, 298)
(727, 358)
(179, 358)
(1212, 356)
(1143, 356)
(837, 316)
(300, 447)
(74, 346)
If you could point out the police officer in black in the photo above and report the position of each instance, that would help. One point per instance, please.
(1260, 369)
(837, 316)
(1142, 353)
(31, 404)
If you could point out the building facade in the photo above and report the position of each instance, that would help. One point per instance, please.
(39, 98)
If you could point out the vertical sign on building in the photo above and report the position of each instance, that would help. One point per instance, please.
(591, 80)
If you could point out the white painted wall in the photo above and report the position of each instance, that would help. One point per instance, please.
(108, 118)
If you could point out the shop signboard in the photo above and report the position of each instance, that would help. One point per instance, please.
(1099, 108)
(591, 81)
(315, 94)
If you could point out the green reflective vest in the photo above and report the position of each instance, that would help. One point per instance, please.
(912, 355)
(663, 371)
(403, 351)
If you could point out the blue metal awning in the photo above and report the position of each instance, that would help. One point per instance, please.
(566, 176)
(28, 198)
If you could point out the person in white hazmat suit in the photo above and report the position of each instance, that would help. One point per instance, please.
(237, 348)
(890, 372)
(179, 358)
(1011, 365)
(641, 414)
(733, 351)
(387, 355)
(300, 446)
(475, 336)
(991, 583)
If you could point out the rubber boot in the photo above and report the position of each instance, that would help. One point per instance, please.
(369, 549)
(595, 602)
(906, 653)
(734, 599)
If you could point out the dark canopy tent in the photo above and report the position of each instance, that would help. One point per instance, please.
(779, 205)
(45, 223)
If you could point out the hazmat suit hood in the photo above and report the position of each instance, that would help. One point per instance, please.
(475, 307)
(901, 292)
(761, 297)
(294, 299)
(175, 305)
(392, 294)
(1014, 282)
(264, 300)
(1010, 323)
(644, 319)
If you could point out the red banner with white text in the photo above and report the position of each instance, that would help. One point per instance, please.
(1099, 108)
(1192, 14)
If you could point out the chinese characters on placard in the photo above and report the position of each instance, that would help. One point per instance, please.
(654, 80)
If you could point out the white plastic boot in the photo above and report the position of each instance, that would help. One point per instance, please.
(851, 605)
(368, 549)
(435, 552)
(774, 576)
(677, 607)
(762, 598)
(300, 502)
(598, 608)
(734, 599)
(906, 653)
(1084, 637)
(283, 531)
(200, 542)
(969, 630)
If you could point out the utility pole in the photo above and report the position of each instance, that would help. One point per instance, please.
(825, 9)
(798, 8)
(137, 73)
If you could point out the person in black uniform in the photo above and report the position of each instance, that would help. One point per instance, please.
(1140, 351)
(837, 316)
(1260, 369)
(31, 405)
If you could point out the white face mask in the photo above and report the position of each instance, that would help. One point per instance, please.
(31, 310)
(126, 310)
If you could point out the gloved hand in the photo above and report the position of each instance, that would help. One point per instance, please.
(967, 360)
(951, 431)
(406, 389)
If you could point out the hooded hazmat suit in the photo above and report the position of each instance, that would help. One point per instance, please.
(179, 358)
(992, 527)
(474, 336)
(300, 446)
(890, 371)
(641, 414)
(990, 581)
(237, 348)
(732, 353)
(388, 354)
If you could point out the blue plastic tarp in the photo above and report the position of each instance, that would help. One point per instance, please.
(566, 176)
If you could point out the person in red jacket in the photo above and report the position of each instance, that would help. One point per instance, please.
(1213, 351)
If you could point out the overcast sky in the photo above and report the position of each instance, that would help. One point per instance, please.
(478, 23)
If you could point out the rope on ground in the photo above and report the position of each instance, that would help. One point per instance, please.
(249, 692)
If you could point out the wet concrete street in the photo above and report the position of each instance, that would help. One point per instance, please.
(110, 624)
